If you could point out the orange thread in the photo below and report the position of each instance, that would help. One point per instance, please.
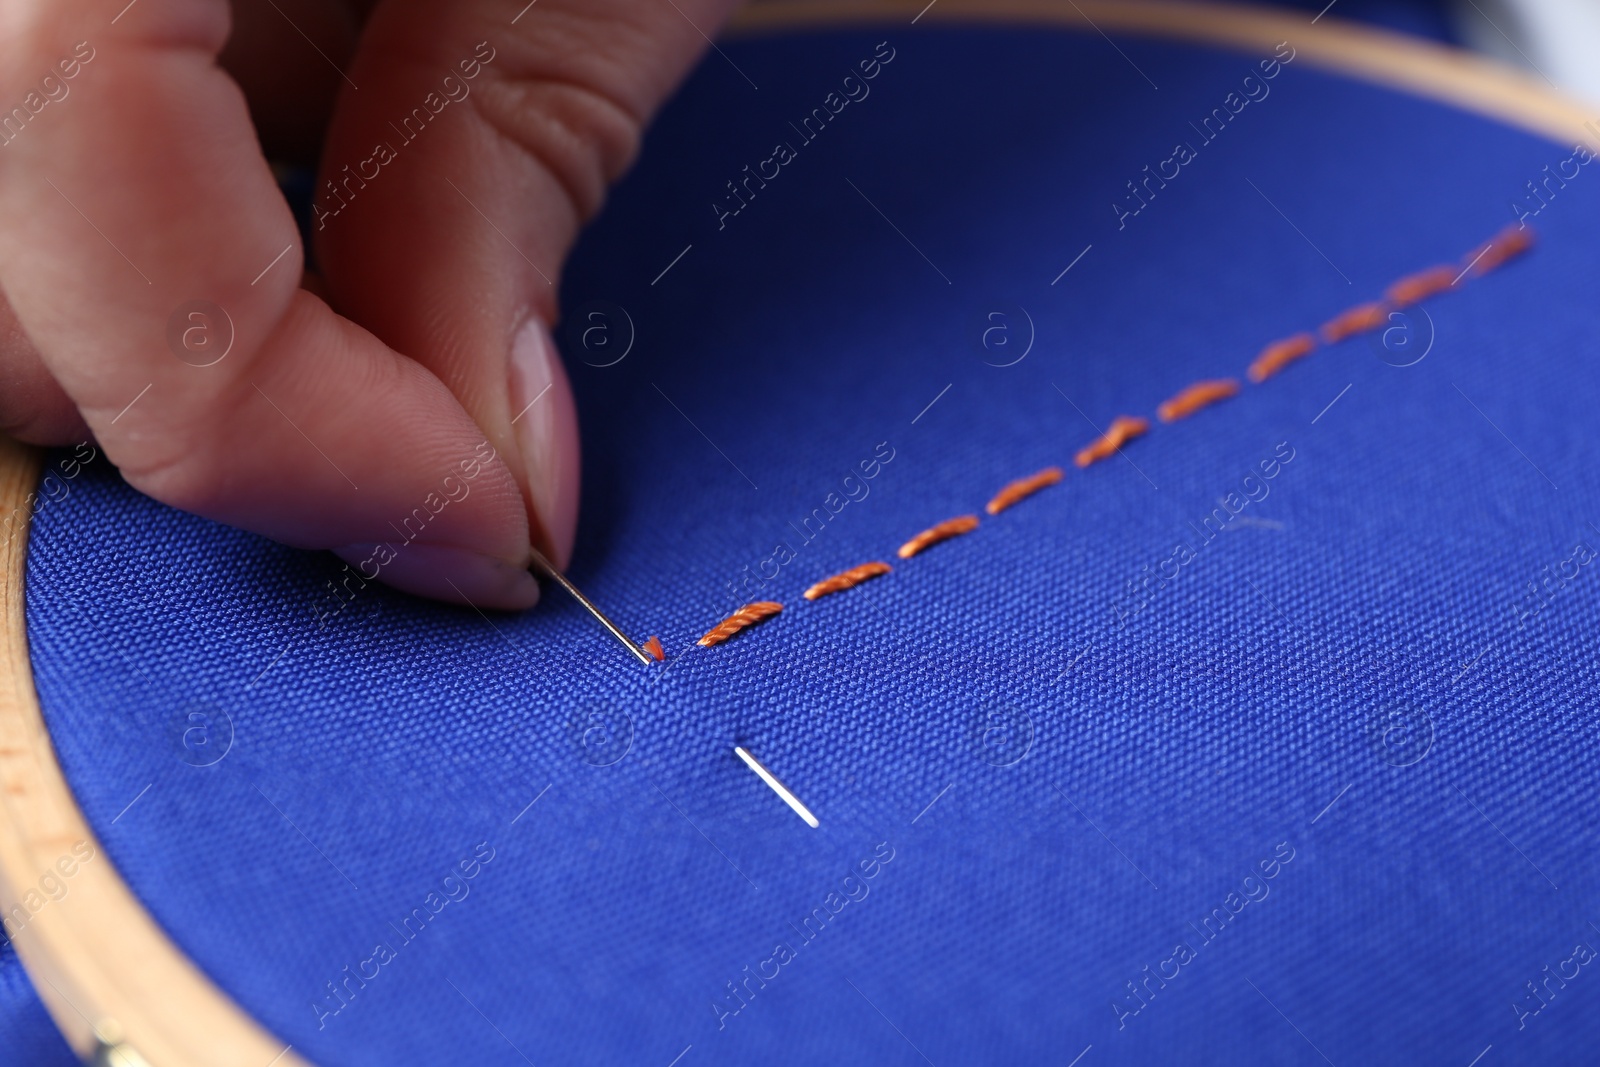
(1124, 428)
(653, 646)
(1507, 244)
(748, 615)
(1197, 396)
(1280, 354)
(1023, 487)
(934, 534)
(1415, 288)
(1359, 319)
(846, 580)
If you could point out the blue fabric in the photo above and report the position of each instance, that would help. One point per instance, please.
(1279, 749)
(27, 1036)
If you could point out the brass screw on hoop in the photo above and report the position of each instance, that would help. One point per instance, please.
(111, 1051)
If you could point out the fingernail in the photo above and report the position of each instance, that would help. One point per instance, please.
(452, 574)
(545, 423)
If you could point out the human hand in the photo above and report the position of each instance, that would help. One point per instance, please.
(412, 397)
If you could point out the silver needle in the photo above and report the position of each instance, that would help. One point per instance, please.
(544, 567)
(777, 786)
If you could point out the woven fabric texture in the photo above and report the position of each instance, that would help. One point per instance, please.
(1321, 784)
(27, 1036)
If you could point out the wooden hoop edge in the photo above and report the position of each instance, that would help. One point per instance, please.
(1421, 68)
(105, 970)
(144, 991)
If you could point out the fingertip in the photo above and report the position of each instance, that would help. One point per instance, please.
(544, 421)
(458, 575)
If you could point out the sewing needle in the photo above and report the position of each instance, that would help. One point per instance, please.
(776, 786)
(544, 567)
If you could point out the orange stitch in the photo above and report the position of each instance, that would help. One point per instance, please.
(934, 534)
(1197, 396)
(846, 580)
(1124, 428)
(1415, 288)
(1278, 355)
(1023, 487)
(1507, 244)
(748, 615)
(1359, 319)
(653, 646)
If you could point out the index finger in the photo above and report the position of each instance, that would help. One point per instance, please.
(151, 259)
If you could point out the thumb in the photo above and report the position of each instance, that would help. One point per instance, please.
(468, 147)
(165, 305)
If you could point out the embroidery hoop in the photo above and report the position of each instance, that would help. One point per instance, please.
(107, 972)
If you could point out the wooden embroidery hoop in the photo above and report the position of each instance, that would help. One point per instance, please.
(109, 975)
